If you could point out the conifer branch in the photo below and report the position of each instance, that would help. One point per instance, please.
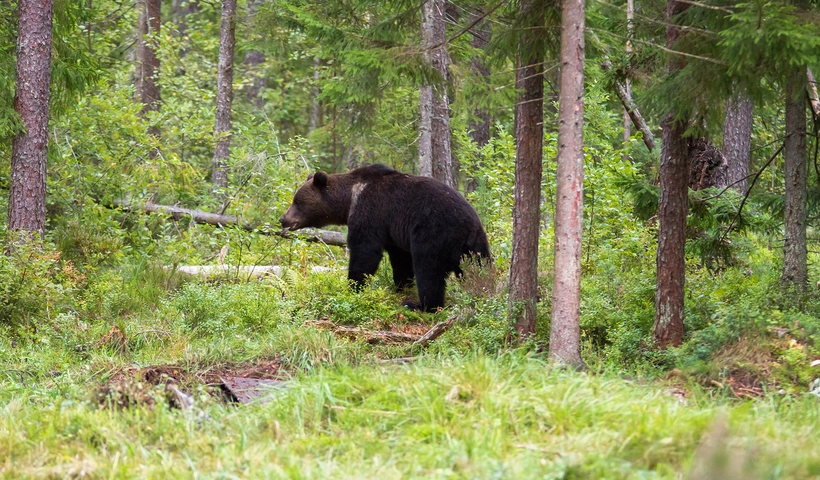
(665, 49)
(707, 6)
(746, 196)
(472, 24)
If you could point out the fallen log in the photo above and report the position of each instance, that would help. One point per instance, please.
(372, 337)
(250, 271)
(382, 336)
(309, 234)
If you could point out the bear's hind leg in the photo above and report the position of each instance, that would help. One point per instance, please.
(431, 282)
(402, 263)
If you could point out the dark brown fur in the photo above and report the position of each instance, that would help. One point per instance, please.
(425, 226)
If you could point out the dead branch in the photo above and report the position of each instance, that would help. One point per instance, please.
(386, 337)
(814, 100)
(309, 234)
(372, 337)
(435, 332)
(632, 110)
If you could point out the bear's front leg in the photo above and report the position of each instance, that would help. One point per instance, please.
(364, 261)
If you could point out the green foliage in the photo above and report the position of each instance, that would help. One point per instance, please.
(36, 286)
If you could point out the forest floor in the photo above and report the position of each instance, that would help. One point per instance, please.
(149, 397)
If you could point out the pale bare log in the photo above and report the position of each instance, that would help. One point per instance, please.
(310, 234)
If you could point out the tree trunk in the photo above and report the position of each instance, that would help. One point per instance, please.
(253, 59)
(794, 248)
(630, 14)
(480, 126)
(180, 9)
(435, 158)
(27, 193)
(316, 105)
(737, 140)
(565, 329)
(147, 61)
(224, 94)
(673, 207)
(529, 135)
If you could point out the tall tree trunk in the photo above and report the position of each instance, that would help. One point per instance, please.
(435, 158)
(180, 9)
(794, 248)
(565, 329)
(737, 139)
(224, 94)
(529, 135)
(673, 207)
(148, 92)
(480, 126)
(316, 105)
(27, 194)
(630, 14)
(253, 59)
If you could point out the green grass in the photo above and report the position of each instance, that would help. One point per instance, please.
(473, 416)
(468, 407)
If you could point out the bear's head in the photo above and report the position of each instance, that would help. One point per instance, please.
(311, 206)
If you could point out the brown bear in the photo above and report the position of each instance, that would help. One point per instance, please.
(425, 226)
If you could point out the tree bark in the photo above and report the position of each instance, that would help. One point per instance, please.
(224, 94)
(180, 9)
(253, 59)
(565, 329)
(148, 92)
(316, 105)
(795, 270)
(435, 158)
(480, 126)
(673, 207)
(27, 193)
(529, 135)
(630, 14)
(737, 140)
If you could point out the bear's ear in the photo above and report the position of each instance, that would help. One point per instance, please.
(320, 179)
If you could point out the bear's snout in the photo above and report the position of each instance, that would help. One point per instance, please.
(289, 220)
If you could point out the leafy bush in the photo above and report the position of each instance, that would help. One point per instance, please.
(35, 286)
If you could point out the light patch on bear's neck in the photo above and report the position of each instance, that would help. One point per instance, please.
(355, 191)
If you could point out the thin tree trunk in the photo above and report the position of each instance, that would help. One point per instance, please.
(148, 92)
(224, 94)
(253, 59)
(529, 134)
(27, 194)
(316, 105)
(673, 207)
(565, 329)
(794, 248)
(480, 126)
(180, 9)
(435, 158)
(737, 139)
(630, 14)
